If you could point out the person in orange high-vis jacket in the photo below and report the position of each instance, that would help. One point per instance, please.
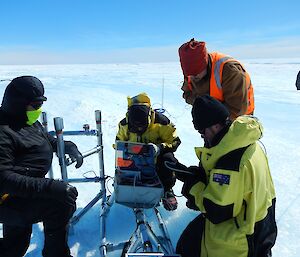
(218, 75)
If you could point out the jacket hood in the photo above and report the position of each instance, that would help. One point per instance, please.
(139, 114)
(244, 131)
(142, 98)
(18, 94)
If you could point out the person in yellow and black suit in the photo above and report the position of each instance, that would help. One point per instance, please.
(232, 187)
(144, 125)
(26, 153)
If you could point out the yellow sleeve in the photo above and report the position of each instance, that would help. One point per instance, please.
(170, 140)
(122, 134)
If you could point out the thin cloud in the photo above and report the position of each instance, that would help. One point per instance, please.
(285, 48)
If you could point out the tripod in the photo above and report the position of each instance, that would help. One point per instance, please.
(137, 186)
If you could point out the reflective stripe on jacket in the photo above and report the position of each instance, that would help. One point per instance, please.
(218, 61)
(238, 200)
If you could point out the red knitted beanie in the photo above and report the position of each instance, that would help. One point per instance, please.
(193, 57)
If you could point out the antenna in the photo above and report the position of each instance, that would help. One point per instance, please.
(162, 93)
(162, 109)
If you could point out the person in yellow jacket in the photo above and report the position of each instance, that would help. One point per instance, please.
(232, 187)
(144, 125)
(218, 75)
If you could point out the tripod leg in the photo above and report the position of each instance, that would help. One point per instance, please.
(165, 232)
(105, 208)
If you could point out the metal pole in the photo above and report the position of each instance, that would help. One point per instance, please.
(103, 249)
(77, 217)
(45, 125)
(140, 220)
(85, 154)
(59, 126)
(164, 230)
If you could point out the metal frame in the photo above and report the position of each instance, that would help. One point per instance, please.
(143, 238)
(63, 162)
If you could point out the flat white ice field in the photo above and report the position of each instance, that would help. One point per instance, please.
(75, 91)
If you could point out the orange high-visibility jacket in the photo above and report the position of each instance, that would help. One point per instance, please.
(218, 61)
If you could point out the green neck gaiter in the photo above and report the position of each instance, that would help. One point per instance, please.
(32, 116)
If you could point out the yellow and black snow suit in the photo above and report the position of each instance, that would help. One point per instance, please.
(160, 131)
(238, 199)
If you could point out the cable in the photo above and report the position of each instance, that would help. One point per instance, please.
(167, 164)
(106, 183)
(90, 171)
(263, 146)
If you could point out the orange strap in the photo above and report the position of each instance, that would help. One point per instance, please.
(190, 84)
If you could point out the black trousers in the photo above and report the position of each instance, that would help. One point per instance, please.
(166, 176)
(189, 243)
(18, 215)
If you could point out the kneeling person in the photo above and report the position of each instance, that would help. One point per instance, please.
(144, 125)
(26, 196)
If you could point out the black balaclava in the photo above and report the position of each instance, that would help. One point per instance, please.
(18, 94)
(138, 118)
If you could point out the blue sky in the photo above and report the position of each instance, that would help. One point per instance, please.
(96, 31)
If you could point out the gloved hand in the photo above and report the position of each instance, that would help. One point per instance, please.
(63, 192)
(156, 148)
(181, 171)
(197, 174)
(72, 150)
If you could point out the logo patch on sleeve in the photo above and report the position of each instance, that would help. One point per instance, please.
(221, 178)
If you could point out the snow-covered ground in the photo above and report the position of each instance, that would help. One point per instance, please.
(75, 91)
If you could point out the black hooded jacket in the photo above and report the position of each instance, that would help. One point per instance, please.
(298, 81)
(25, 151)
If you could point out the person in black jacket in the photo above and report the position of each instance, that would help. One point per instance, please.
(298, 81)
(26, 196)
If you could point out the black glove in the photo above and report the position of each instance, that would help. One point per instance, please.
(188, 184)
(72, 150)
(63, 192)
(181, 171)
(197, 174)
(190, 203)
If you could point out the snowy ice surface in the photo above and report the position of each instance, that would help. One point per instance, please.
(75, 91)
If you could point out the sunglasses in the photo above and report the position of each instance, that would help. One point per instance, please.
(36, 105)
